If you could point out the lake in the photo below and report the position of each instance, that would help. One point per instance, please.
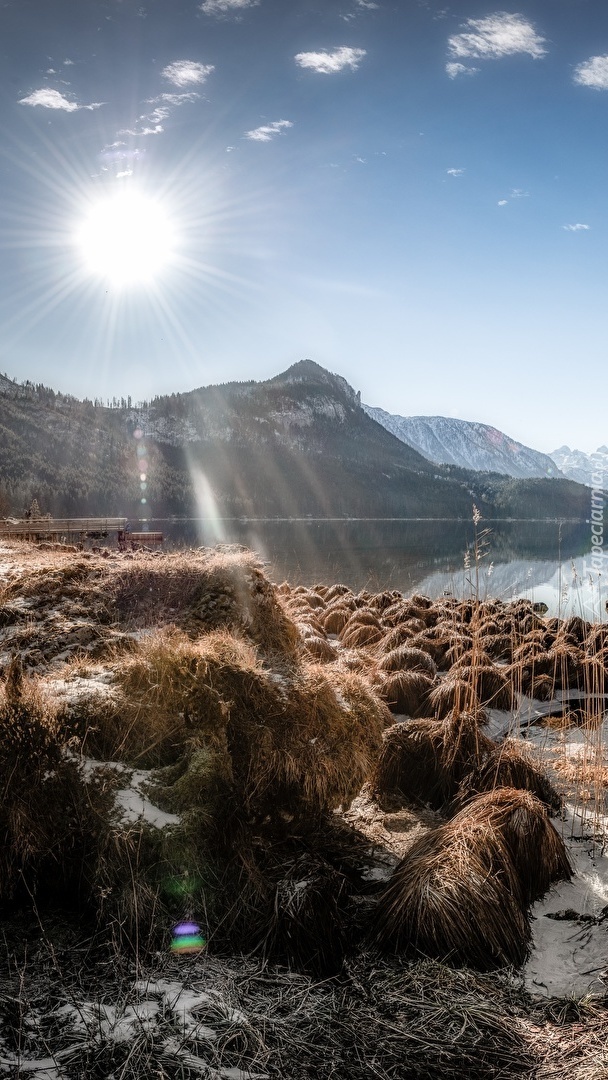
(544, 561)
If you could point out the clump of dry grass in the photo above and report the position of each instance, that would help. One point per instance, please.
(509, 765)
(498, 646)
(399, 635)
(461, 645)
(406, 692)
(337, 590)
(462, 894)
(536, 849)
(405, 658)
(489, 683)
(49, 814)
(319, 648)
(356, 635)
(426, 760)
(566, 665)
(455, 897)
(306, 926)
(360, 661)
(576, 627)
(435, 642)
(336, 619)
(541, 687)
(395, 614)
(298, 742)
(384, 600)
(201, 591)
(453, 695)
(363, 617)
(533, 654)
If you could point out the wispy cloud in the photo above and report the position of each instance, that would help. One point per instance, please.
(367, 4)
(146, 129)
(495, 36)
(327, 63)
(576, 228)
(267, 132)
(187, 72)
(515, 193)
(455, 172)
(593, 72)
(454, 69)
(152, 123)
(227, 7)
(52, 99)
(173, 99)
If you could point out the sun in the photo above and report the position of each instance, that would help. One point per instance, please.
(126, 238)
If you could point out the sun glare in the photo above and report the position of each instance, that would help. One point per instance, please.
(126, 238)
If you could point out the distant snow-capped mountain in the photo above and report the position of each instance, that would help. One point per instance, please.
(577, 465)
(466, 444)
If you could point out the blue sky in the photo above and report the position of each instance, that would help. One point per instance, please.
(412, 194)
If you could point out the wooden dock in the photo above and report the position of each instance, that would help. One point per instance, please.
(48, 528)
(78, 531)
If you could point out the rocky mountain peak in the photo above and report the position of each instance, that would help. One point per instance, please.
(309, 372)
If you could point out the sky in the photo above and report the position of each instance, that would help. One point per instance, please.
(411, 193)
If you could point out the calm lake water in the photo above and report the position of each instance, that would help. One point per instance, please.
(540, 560)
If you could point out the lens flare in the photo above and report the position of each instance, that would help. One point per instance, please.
(187, 938)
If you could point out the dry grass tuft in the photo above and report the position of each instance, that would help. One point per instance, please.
(363, 617)
(535, 847)
(395, 614)
(384, 600)
(455, 897)
(319, 648)
(49, 814)
(498, 647)
(566, 665)
(356, 635)
(396, 637)
(336, 619)
(461, 645)
(202, 591)
(406, 692)
(426, 760)
(462, 894)
(337, 590)
(489, 683)
(405, 658)
(296, 744)
(306, 927)
(578, 628)
(453, 695)
(509, 765)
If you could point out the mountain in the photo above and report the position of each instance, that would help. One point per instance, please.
(466, 444)
(577, 465)
(296, 445)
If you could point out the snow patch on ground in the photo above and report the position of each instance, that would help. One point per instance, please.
(570, 955)
(131, 803)
(164, 1011)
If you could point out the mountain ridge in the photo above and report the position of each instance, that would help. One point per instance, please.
(467, 444)
(589, 469)
(298, 444)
